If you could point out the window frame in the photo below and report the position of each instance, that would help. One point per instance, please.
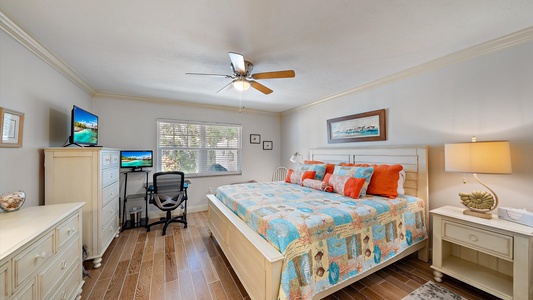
(203, 148)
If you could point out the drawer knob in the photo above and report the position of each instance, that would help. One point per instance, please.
(63, 295)
(73, 229)
(41, 255)
(473, 238)
(63, 264)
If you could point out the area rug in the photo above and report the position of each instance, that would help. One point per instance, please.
(431, 290)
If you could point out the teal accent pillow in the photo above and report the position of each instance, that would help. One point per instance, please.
(357, 172)
(320, 170)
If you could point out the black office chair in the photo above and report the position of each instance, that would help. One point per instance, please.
(169, 193)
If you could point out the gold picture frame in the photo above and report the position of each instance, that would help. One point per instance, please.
(11, 128)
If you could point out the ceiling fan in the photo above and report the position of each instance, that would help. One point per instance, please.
(242, 77)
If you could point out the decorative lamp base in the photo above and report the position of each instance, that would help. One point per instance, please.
(469, 212)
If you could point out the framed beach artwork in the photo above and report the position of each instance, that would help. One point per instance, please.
(363, 127)
(11, 126)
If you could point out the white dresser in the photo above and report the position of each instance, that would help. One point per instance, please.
(493, 255)
(90, 175)
(40, 253)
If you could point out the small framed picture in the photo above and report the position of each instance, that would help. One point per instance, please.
(255, 138)
(11, 128)
(267, 145)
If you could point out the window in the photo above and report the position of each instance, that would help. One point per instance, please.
(198, 148)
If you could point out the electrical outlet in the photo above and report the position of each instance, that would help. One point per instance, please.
(210, 190)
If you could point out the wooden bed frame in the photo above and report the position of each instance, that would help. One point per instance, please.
(258, 264)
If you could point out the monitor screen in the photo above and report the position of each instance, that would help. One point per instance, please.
(136, 159)
(84, 129)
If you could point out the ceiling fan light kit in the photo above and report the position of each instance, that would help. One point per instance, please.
(241, 84)
(242, 77)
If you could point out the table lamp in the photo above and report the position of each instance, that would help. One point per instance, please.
(479, 157)
(296, 157)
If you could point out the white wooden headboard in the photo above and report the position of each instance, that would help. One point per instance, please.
(414, 160)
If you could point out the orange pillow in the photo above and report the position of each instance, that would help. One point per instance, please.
(313, 162)
(345, 185)
(384, 181)
(345, 164)
(299, 177)
(329, 167)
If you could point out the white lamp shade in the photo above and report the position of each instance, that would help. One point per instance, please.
(241, 84)
(294, 157)
(478, 157)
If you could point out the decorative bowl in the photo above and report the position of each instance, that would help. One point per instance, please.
(12, 201)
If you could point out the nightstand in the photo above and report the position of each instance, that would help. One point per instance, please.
(493, 255)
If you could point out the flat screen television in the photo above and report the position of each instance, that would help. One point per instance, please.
(83, 127)
(136, 159)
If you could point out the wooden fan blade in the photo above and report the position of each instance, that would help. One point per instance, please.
(263, 89)
(226, 87)
(276, 74)
(238, 62)
(212, 75)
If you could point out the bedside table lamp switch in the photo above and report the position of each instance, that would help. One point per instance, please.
(479, 157)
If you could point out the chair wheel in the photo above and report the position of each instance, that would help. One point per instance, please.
(147, 229)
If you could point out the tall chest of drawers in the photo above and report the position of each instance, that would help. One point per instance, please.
(90, 175)
(40, 253)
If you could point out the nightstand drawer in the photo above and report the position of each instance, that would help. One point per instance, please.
(497, 244)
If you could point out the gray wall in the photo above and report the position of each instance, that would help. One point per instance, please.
(490, 96)
(131, 124)
(31, 86)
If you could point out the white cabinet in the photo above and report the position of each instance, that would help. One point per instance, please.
(90, 175)
(493, 255)
(40, 252)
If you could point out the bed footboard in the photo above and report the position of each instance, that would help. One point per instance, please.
(256, 262)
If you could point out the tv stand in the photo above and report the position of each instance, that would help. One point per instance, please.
(75, 144)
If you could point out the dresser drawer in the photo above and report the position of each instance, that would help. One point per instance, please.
(494, 243)
(109, 194)
(115, 158)
(27, 292)
(109, 231)
(68, 230)
(109, 212)
(110, 158)
(109, 176)
(66, 290)
(51, 277)
(5, 275)
(32, 258)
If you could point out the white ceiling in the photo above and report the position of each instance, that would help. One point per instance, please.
(144, 48)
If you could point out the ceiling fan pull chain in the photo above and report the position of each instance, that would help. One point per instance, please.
(240, 102)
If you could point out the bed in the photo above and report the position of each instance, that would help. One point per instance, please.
(259, 264)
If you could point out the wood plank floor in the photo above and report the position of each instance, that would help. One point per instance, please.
(188, 264)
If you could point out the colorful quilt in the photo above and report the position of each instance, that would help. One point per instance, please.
(325, 237)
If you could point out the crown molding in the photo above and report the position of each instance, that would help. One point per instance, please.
(180, 103)
(27, 40)
(507, 41)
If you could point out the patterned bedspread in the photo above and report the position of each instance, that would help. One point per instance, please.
(325, 237)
